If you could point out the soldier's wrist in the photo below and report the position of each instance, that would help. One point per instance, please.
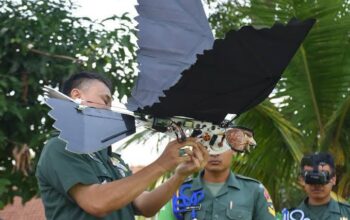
(180, 176)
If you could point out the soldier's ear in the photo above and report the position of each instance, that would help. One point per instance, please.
(334, 180)
(75, 93)
(301, 180)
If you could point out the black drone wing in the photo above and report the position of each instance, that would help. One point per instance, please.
(237, 74)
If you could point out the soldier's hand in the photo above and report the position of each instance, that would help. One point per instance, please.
(198, 159)
(174, 154)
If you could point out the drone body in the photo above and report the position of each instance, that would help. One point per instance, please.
(188, 83)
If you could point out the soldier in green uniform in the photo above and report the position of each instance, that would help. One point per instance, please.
(218, 194)
(318, 178)
(100, 185)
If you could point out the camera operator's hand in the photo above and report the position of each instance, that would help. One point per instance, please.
(198, 159)
(174, 154)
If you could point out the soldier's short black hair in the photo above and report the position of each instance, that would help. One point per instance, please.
(316, 159)
(76, 81)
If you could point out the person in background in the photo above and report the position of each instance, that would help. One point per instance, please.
(318, 177)
(219, 194)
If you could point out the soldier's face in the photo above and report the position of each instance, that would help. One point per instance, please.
(316, 191)
(220, 162)
(94, 94)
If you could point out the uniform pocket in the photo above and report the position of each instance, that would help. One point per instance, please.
(238, 214)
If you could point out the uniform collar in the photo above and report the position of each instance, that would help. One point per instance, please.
(231, 181)
(99, 156)
(333, 205)
(197, 182)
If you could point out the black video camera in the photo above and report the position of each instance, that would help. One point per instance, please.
(314, 177)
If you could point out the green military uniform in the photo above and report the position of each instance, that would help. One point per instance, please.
(58, 170)
(239, 198)
(332, 211)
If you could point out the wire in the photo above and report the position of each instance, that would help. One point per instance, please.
(180, 134)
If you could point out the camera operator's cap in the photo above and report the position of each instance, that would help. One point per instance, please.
(316, 159)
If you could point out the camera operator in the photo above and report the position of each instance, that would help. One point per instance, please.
(318, 178)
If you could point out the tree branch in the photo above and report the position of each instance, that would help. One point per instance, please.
(312, 92)
(55, 55)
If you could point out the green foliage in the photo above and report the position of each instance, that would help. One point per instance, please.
(41, 44)
(311, 102)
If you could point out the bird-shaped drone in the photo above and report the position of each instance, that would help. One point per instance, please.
(188, 83)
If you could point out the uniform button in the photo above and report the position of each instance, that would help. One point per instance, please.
(216, 216)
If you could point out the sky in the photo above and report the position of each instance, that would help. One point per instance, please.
(99, 9)
(104, 8)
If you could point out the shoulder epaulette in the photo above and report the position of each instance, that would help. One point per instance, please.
(247, 178)
(115, 154)
(344, 204)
